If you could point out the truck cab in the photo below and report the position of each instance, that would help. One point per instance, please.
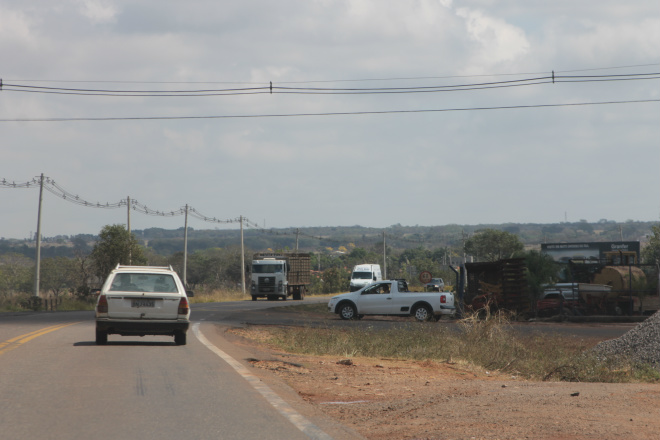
(364, 274)
(269, 279)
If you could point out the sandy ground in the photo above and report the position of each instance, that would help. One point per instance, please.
(392, 399)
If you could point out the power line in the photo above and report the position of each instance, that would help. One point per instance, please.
(326, 90)
(51, 186)
(291, 115)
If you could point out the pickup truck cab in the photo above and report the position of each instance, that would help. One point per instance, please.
(392, 297)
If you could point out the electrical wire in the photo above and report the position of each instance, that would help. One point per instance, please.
(29, 184)
(292, 115)
(51, 186)
(317, 90)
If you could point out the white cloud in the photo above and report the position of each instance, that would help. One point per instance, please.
(498, 40)
(15, 29)
(98, 11)
(459, 160)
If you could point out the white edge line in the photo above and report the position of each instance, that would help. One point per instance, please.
(276, 401)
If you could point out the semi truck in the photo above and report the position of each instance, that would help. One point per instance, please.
(279, 275)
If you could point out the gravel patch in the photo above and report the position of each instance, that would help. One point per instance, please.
(641, 344)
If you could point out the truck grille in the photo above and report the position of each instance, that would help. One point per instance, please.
(266, 284)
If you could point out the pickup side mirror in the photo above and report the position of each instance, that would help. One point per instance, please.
(95, 291)
(190, 293)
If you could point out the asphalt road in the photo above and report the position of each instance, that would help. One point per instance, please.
(56, 383)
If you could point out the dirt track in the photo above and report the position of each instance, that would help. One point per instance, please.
(391, 399)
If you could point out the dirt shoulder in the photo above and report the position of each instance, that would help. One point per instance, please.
(393, 399)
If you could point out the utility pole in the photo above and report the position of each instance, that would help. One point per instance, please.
(384, 257)
(185, 248)
(128, 227)
(297, 232)
(37, 269)
(242, 258)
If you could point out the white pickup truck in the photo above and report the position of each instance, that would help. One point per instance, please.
(392, 297)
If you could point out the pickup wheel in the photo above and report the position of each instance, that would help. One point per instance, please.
(347, 311)
(423, 313)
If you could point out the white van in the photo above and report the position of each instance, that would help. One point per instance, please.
(364, 274)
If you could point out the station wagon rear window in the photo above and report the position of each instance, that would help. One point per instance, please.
(140, 282)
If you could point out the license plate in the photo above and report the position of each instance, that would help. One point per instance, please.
(143, 303)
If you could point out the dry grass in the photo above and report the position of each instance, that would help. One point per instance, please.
(224, 295)
(489, 344)
(217, 295)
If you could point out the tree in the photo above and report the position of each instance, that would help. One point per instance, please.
(651, 253)
(541, 269)
(83, 274)
(16, 274)
(115, 246)
(58, 275)
(493, 245)
(335, 280)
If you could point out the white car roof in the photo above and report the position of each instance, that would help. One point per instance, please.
(146, 269)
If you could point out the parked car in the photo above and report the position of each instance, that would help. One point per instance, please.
(142, 300)
(435, 285)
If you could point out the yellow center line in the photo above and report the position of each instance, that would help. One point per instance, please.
(17, 341)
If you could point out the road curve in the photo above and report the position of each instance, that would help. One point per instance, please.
(57, 383)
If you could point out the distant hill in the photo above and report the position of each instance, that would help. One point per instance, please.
(314, 239)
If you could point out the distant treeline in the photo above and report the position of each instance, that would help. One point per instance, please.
(322, 239)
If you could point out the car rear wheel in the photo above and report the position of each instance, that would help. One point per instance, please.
(180, 338)
(347, 311)
(101, 337)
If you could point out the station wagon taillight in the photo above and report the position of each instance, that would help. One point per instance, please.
(443, 299)
(102, 306)
(183, 306)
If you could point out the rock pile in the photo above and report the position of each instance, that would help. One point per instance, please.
(641, 344)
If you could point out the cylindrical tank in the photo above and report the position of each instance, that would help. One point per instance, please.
(619, 277)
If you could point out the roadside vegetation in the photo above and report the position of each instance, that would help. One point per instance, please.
(488, 344)
(70, 302)
(71, 267)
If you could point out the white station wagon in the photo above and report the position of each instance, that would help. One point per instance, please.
(142, 300)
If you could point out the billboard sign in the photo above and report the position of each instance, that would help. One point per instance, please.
(563, 252)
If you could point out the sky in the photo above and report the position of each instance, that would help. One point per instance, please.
(382, 112)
